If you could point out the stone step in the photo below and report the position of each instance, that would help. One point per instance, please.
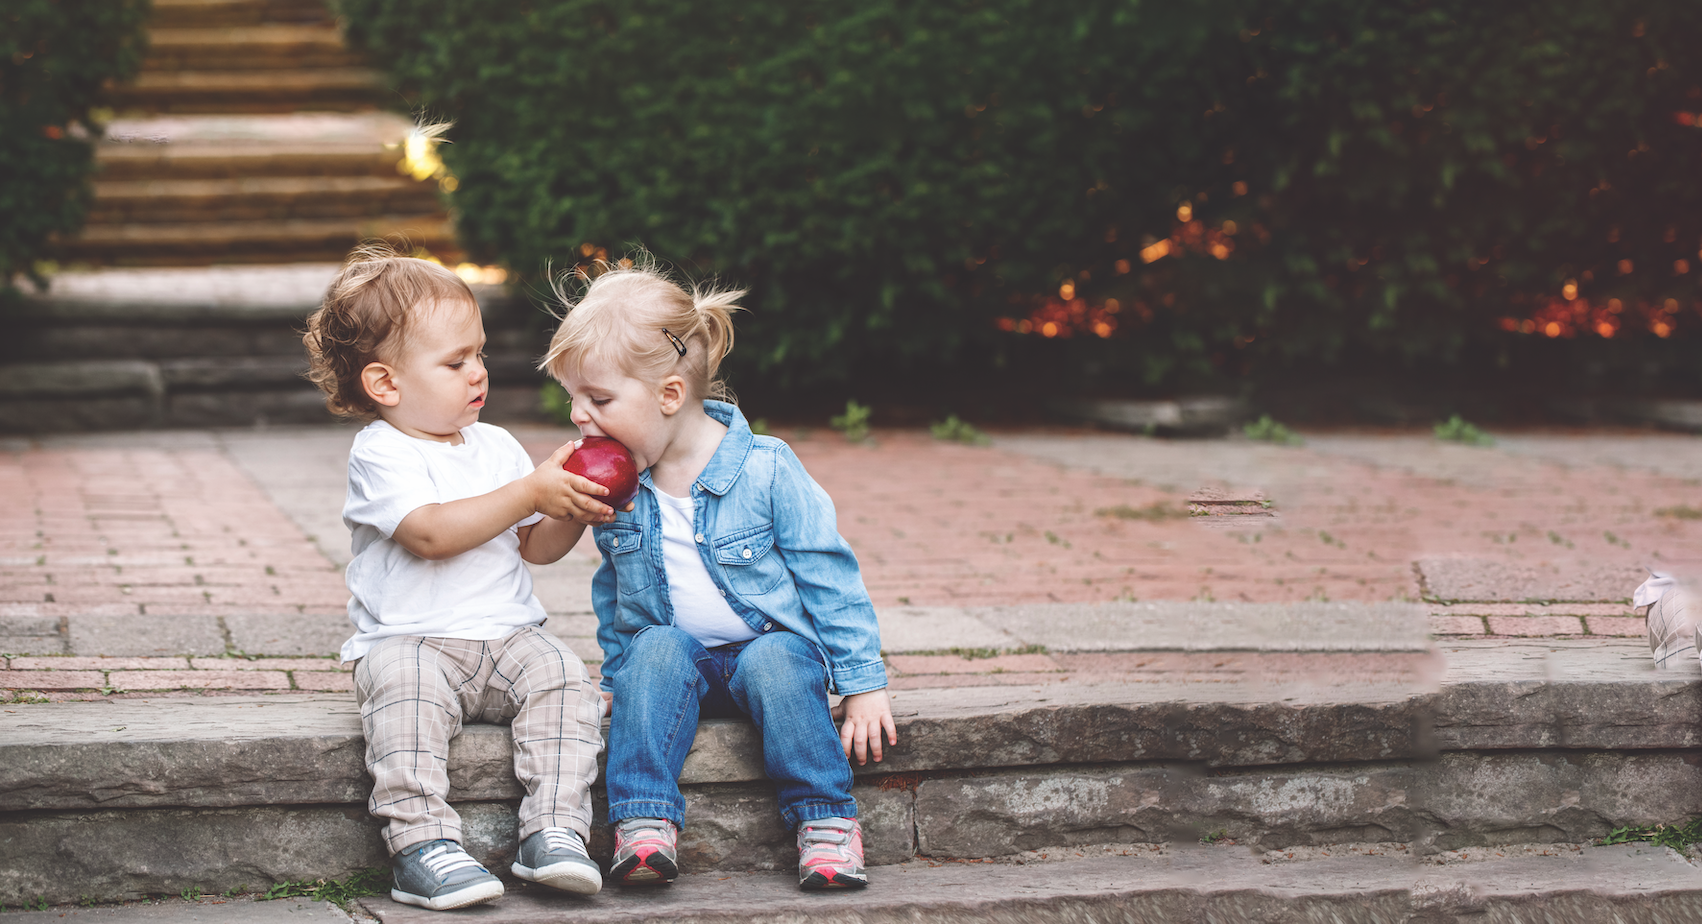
(190, 13)
(293, 240)
(1169, 884)
(1540, 743)
(251, 47)
(259, 199)
(335, 89)
(1122, 883)
(122, 161)
(212, 346)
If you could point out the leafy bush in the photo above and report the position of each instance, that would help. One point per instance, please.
(854, 423)
(1271, 431)
(1457, 429)
(1103, 191)
(54, 57)
(955, 430)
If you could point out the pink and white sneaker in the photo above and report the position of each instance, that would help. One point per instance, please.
(646, 852)
(830, 854)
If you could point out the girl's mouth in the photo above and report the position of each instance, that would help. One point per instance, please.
(477, 402)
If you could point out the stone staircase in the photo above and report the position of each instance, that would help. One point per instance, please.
(1373, 793)
(199, 347)
(252, 135)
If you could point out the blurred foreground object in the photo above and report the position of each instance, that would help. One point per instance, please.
(1672, 619)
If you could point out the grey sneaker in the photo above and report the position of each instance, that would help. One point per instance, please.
(556, 857)
(439, 875)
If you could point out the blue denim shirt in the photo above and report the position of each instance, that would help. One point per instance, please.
(768, 536)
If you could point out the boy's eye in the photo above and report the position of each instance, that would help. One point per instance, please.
(599, 401)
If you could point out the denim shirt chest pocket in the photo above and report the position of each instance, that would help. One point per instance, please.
(620, 543)
(748, 559)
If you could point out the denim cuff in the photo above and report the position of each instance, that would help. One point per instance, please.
(859, 678)
(795, 815)
(644, 808)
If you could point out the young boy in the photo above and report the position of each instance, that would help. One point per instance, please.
(443, 509)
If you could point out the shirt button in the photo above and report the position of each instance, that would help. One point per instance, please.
(699, 537)
(767, 625)
(746, 553)
(614, 543)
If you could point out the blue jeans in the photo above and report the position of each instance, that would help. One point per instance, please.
(668, 681)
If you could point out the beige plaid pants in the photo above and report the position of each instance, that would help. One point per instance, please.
(414, 693)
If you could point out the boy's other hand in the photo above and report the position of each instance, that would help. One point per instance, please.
(566, 496)
(865, 716)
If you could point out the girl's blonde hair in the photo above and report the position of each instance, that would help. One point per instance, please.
(369, 308)
(634, 316)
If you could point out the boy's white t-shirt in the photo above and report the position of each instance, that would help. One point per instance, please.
(699, 608)
(482, 594)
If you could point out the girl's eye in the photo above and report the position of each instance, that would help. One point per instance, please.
(599, 401)
(456, 365)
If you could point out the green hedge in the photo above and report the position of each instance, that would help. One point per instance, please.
(908, 187)
(54, 57)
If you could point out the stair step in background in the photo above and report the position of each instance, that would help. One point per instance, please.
(215, 346)
(1558, 742)
(319, 88)
(260, 199)
(193, 13)
(253, 189)
(225, 48)
(262, 102)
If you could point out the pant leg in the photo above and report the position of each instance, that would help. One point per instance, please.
(557, 714)
(657, 697)
(781, 681)
(407, 688)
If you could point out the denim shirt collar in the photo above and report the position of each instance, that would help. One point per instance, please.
(729, 460)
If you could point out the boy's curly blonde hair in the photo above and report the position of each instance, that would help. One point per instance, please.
(647, 325)
(365, 318)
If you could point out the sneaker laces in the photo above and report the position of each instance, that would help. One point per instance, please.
(561, 839)
(447, 858)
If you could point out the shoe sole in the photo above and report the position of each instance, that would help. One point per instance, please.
(472, 895)
(578, 878)
(818, 882)
(634, 871)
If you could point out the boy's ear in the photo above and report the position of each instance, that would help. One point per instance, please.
(673, 394)
(379, 383)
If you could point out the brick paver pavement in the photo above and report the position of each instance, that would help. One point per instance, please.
(1036, 519)
(145, 531)
(150, 532)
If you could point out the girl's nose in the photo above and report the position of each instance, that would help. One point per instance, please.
(579, 416)
(478, 373)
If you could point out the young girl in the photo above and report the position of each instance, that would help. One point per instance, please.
(726, 590)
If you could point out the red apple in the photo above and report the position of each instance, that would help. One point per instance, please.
(608, 463)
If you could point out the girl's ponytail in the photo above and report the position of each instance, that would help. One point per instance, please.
(633, 314)
(714, 309)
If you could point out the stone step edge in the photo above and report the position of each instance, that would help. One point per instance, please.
(221, 752)
(1180, 884)
(153, 378)
(1068, 884)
